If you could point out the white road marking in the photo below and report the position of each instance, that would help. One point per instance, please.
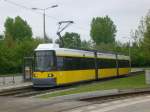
(116, 102)
(94, 111)
(91, 107)
(105, 104)
(76, 110)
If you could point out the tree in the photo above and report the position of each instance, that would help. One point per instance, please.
(71, 40)
(17, 43)
(105, 47)
(141, 45)
(146, 39)
(138, 34)
(103, 30)
(17, 28)
(86, 44)
(11, 58)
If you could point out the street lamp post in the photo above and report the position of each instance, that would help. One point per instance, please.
(130, 54)
(44, 10)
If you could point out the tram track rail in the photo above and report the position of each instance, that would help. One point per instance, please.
(119, 96)
(29, 91)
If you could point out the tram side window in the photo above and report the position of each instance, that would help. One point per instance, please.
(123, 63)
(106, 63)
(77, 63)
(87, 63)
(71, 63)
(59, 63)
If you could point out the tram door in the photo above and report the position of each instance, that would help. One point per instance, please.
(28, 68)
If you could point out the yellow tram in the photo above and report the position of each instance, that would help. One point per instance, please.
(56, 66)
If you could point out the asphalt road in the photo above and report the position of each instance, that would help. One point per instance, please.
(138, 104)
(36, 105)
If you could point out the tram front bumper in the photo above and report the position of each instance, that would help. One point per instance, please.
(44, 82)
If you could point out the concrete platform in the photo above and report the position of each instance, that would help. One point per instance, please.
(15, 86)
(12, 82)
(9, 80)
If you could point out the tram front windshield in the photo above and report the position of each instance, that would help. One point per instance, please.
(44, 60)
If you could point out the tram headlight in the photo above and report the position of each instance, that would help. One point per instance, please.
(34, 75)
(50, 75)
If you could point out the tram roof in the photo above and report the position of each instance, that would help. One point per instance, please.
(79, 53)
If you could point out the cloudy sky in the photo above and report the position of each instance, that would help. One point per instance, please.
(126, 14)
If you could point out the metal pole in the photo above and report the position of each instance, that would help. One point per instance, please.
(130, 55)
(44, 26)
(13, 79)
(44, 9)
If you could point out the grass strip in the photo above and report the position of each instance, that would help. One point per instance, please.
(137, 81)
